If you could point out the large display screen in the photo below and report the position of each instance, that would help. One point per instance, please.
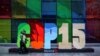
(50, 23)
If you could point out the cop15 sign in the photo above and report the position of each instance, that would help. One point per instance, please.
(40, 35)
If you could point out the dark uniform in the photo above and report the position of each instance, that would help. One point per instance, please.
(23, 42)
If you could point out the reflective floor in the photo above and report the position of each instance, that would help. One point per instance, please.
(52, 54)
(4, 52)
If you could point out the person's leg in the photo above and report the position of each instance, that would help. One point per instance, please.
(25, 49)
(21, 47)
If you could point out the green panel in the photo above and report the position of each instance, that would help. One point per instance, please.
(19, 9)
(64, 9)
(21, 27)
(59, 24)
(33, 8)
(5, 31)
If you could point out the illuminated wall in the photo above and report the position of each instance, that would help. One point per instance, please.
(51, 21)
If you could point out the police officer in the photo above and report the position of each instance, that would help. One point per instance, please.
(23, 42)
